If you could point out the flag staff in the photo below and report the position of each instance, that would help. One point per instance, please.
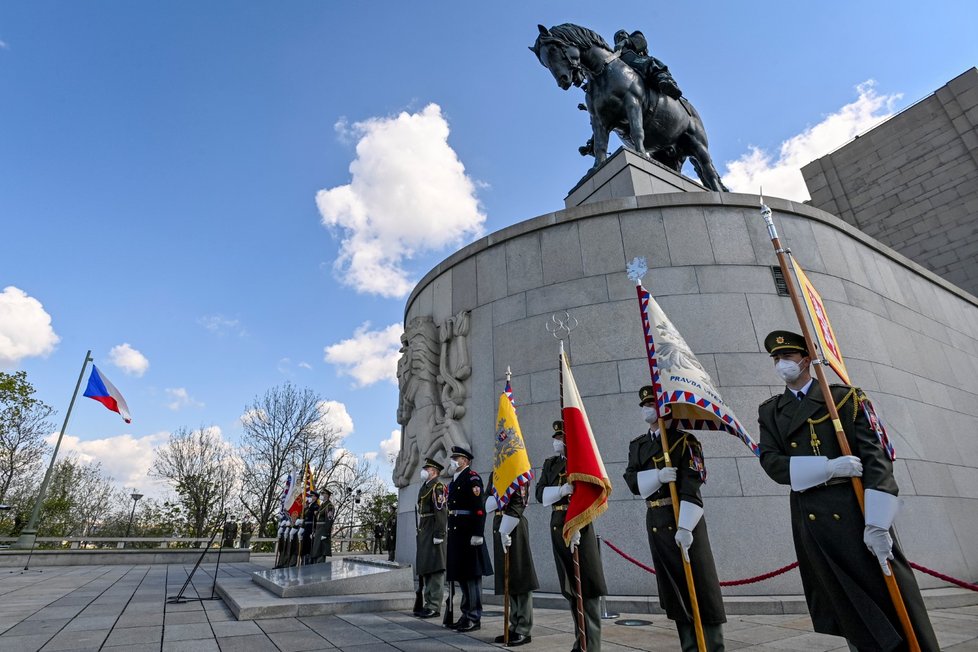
(29, 534)
(636, 270)
(823, 383)
(509, 377)
(582, 633)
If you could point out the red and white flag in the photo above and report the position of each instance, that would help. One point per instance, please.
(584, 465)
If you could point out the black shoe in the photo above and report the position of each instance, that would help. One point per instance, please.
(502, 637)
(519, 639)
(468, 627)
(428, 613)
(458, 623)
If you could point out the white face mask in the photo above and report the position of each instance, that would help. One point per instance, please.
(424, 475)
(648, 414)
(559, 447)
(453, 466)
(788, 370)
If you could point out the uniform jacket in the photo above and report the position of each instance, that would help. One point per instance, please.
(644, 453)
(466, 519)
(554, 474)
(432, 515)
(309, 515)
(322, 543)
(522, 574)
(842, 580)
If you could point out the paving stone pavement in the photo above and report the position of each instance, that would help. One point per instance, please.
(123, 609)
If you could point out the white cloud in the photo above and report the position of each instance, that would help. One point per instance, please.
(370, 456)
(409, 194)
(181, 399)
(25, 328)
(221, 325)
(781, 176)
(335, 415)
(369, 356)
(124, 457)
(129, 359)
(391, 445)
(305, 365)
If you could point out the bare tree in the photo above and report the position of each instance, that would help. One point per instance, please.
(283, 430)
(202, 468)
(23, 424)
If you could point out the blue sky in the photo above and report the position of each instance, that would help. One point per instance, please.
(160, 164)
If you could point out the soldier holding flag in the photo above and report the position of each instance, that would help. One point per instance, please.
(648, 476)
(432, 525)
(839, 551)
(509, 486)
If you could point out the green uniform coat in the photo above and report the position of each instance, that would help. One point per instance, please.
(522, 574)
(322, 540)
(645, 452)
(843, 584)
(432, 514)
(554, 474)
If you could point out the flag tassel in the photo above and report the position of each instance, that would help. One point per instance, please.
(823, 383)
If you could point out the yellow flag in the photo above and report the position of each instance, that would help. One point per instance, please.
(823, 328)
(511, 471)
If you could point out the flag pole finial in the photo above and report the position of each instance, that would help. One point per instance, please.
(509, 374)
(637, 269)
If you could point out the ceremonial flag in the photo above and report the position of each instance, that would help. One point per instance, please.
(310, 485)
(827, 343)
(100, 389)
(511, 466)
(286, 491)
(584, 465)
(293, 499)
(685, 394)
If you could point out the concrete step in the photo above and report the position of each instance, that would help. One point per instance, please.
(942, 598)
(249, 601)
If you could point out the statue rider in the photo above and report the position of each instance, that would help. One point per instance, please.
(634, 49)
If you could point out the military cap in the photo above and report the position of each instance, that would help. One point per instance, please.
(785, 342)
(646, 395)
(313, 493)
(558, 428)
(325, 491)
(432, 463)
(458, 451)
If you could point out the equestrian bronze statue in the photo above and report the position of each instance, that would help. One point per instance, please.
(630, 93)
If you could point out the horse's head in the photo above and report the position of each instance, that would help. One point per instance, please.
(560, 57)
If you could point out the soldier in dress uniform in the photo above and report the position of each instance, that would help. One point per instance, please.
(284, 524)
(839, 551)
(322, 540)
(247, 529)
(554, 491)
(647, 476)
(432, 526)
(468, 557)
(391, 539)
(309, 515)
(511, 533)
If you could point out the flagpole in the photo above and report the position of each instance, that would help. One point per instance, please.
(823, 383)
(509, 377)
(581, 632)
(673, 492)
(29, 534)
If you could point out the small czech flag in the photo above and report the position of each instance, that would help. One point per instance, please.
(103, 391)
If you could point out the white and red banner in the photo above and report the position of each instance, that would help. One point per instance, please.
(585, 467)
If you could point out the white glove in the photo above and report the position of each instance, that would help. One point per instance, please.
(476, 541)
(506, 540)
(491, 505)
(847, 466)
(437, 541)
(566, 489)
(880, 544)
(667, 474)
(575, 541)
(684, 539)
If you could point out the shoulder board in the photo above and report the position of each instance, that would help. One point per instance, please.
(471, 472)
(440, 486)
(770, 399)
(637, 438)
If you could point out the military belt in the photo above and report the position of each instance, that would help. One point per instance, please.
(426, 515)
(662, 502)
(560, 508)
(459, 512)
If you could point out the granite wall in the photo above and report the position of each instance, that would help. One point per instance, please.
(910, 338)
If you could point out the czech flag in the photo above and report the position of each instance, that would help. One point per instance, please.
(103, 391)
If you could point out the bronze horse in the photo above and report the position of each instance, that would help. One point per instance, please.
(618, 99)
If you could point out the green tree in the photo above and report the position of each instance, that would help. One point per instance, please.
(23, 425)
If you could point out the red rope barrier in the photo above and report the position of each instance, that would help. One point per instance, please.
(946, 578)
(785, 569)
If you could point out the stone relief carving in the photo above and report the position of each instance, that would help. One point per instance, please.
(431, 375)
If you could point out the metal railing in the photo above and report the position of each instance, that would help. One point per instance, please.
(257, 544)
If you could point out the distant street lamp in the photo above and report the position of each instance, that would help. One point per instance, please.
(135, 499)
